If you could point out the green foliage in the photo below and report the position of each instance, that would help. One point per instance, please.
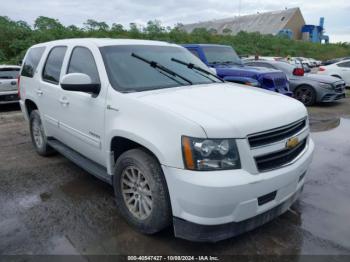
(17, 36)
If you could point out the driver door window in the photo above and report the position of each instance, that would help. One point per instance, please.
(82, 61)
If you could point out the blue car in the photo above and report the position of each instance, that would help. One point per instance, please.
(229, 67)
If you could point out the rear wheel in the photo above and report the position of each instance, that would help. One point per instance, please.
(141, 192)
(38, 136)
(306, 95)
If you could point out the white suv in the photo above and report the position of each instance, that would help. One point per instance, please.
(179, 146)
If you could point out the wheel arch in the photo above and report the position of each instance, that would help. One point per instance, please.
(337, 76)
(120, 143)
(30, 105)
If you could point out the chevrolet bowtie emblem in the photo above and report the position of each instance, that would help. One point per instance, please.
(292, 142)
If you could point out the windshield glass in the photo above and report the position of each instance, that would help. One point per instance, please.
(127, 73)
(221, 55)
(9, 73)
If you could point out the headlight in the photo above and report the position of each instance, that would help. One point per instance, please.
(210, 154)
(327, 86)
(253, 83)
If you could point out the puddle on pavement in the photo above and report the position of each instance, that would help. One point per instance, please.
(323, 124)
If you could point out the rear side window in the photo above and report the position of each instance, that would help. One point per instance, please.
(53, 65)
(32, 61)
(82, 61)
(9, 73)
(345, 64)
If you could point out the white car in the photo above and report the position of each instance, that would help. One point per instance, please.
(179, 146)
(340, 70)
(8, 84)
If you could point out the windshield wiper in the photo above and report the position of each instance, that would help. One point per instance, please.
(193, 66)
(162, 69)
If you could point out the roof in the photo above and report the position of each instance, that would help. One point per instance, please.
(204, 45)
(11, 66)
(265, 23)
(104, 42)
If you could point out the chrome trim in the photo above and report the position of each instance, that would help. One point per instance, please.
(276, 129)
(289, 163)
(306, 128)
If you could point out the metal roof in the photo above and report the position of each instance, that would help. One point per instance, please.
(265, 23)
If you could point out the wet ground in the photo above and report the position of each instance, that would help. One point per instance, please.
(51, 206)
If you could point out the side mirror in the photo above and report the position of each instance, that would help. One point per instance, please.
(78, 82)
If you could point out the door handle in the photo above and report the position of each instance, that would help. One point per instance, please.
(39, 92)
(64, 101)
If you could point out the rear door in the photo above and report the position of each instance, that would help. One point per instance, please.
(49, 91)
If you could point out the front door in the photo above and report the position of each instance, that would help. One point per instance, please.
(82, 118)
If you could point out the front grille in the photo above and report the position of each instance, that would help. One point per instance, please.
(277, 134)
(280, 158)
(266, 198)
(339, 88)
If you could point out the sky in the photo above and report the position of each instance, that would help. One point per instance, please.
(171, 12)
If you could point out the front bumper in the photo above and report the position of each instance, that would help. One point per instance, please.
(230, 199)
(203, 233)
(331, 97)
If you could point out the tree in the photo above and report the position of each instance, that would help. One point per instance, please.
(154, 28)
(43, 23)
(117, 28)
(93, 25)
(227, 31)
(134, 31)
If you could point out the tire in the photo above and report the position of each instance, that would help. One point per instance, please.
(306, 95)
(38, 136)
(151, 218)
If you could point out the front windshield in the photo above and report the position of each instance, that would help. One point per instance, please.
(221, 55)
(9, 73)
(127, 73)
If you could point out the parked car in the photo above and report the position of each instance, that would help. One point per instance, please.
(332, 61)
(299, 63)
(306, 61)
(180, 146)
(315, 62)
(8, 84)
(307, 88)
(228, 66)
(339, 69)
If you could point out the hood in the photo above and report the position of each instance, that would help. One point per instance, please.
(227, 110)
(322, 78)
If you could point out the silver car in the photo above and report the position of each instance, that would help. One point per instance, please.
(8, 84)
(307, 88)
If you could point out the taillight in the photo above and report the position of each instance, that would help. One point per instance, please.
(321, 69)
(298, 71)
(18, 88)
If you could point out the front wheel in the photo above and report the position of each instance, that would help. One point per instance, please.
(141, 192)
(306, 95)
